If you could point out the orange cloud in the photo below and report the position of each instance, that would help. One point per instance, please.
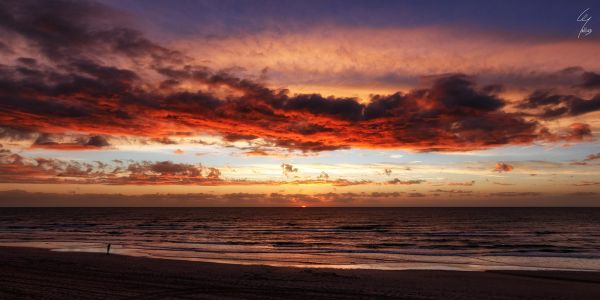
(503, 167)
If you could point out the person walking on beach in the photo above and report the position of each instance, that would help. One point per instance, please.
(108, 249)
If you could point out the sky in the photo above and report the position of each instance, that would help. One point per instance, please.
(299, 103)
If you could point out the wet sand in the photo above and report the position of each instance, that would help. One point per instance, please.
(27, 273)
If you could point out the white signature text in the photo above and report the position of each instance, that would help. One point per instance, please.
(585, 18)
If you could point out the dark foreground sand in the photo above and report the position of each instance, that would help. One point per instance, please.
(40, 274)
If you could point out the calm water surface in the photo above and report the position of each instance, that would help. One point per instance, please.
(380, 238)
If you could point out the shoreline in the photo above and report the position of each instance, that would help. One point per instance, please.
(34, 273)
(459, 263)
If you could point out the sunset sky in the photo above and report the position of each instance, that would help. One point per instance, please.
(299, 103)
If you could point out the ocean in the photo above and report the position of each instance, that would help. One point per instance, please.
(470, 239)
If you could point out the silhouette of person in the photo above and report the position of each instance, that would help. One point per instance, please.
(108, 249)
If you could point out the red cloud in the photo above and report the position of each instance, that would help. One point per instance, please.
(451, 116)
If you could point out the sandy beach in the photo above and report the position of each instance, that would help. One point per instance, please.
(28, 273)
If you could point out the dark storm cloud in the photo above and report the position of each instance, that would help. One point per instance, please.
(55, 141)
(232, 137)
(10, 133)
(164, 141)
(452, 94)
(66, 29)
(458, 92)
(591, 80)
(97, 141)
(344, 109)
(550, 106)
(576, 132)
(452, 115)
